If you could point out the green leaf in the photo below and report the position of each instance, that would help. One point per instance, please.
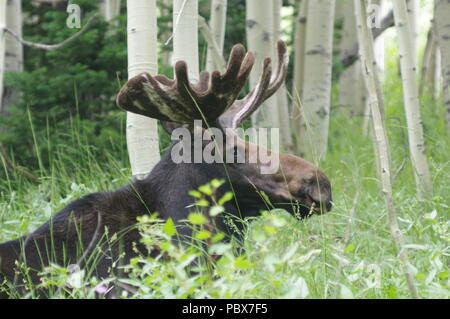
(197, 219)
(169, 227)
(206, 189)
(270, 229)
(203, 234)
(242, 263)
(195, 194)
(349, 248)
(218, 237)
(226, 198)
(216, 210)
(217, 183)
(202, 203)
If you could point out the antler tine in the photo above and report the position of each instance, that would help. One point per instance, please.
(241, 109)
(266, 87)
(143, 95)
(280, 75)
(233, 78)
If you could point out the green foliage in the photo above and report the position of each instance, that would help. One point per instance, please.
(76, 83)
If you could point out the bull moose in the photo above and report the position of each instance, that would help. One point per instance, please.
(297, 185)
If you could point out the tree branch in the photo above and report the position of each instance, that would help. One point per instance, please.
(207, 34)
(50, 47)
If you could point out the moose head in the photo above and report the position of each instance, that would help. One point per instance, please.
(293, 184)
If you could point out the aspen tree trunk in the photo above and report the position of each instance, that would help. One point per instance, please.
(185, 31)
(369, 73)
(376, 12)
(317, 78)
(217, 25)
(260, 40)
(299, 70)
(437, 81)
(166, 55)
(110, 9)
(441, 16)
(428, 63)
(380, 47)
(340, 9)
(13, 54)
(411, 102)
(352, 92)
(281, 95)
(2, 50)
(430, 79)
(142, 132)
(413, 15)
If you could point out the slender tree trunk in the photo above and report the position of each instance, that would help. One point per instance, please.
(437, 81)
(142, 132)
(380, 47)
(381, 143)
(281, 95)
(299, 68)
(110, 9)
(428, 64)
(317, 78)
(185, 41)
(166, 54)
(2, 51)
(411, 101)
(217, 25)
(431, 75)
(259, 25)
(413, 15)
(441, 17)
(352, 92)
(13, 54)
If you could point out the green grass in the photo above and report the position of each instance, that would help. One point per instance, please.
(329, 256)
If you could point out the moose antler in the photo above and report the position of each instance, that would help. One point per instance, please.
(267, 86)
(182, 102)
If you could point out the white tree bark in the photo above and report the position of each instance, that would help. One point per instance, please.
(430, 79)
(380, 43)
(381, 143)
(281, 95)
(352, 92)
(441, 17)
(260, 40)
(2, 50)
(110, 9)
(437, 80)
(185, 32)
(413, 16)
(13, 55)
(317, 78)
(411, 101)
(142, 132)
(299, 72)
(217, 25)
